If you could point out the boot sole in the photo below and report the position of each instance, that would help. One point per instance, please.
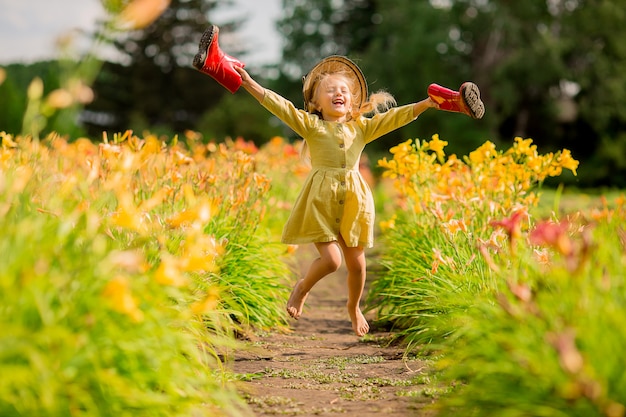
(471, 97)
(203, 46)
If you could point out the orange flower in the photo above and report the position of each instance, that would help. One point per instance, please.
(201, 212)
(523, 292)
(484, 251)
(512, 227)
(181, 218)
(154, 201)
(246, 146)
(152, 146)
(200, 252)
(209, 303)
(541, 256)
(128, 215)
(454, 225)
(388, 224)
(7, 140)
(109, 151)
(169, 272)
(181, 159)
(120, 298)
(439, 258)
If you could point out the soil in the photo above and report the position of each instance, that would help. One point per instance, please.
(321, 368)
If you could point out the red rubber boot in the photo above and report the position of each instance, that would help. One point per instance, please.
(466, 100)
(211, 60)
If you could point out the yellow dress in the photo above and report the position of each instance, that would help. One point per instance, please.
(335, 200)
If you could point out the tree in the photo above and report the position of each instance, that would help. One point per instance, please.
(595, 57)
(554, 71)
(315, 29)
(153, 85)
(239, 116)
(551, 70)
(413, 45)
(398, 45)
(12, 90)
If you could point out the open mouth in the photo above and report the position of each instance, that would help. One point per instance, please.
(338, 102)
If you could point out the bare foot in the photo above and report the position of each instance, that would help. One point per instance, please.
(359, 323)
(296, 301)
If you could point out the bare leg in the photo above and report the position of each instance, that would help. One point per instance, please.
(328, 262)
(355, 263)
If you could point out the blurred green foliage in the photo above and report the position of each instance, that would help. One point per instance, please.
(13, 91)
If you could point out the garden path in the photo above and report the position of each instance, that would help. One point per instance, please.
(322, 369)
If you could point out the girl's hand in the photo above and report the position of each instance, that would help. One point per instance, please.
(245, 77)
(250, 85)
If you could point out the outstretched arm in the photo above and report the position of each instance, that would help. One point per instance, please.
(255, 89)
(421, 106)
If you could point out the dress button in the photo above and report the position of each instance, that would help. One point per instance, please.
(341, 145)
(343, 183)
(340, 201)
(336, 220)
(343, 165)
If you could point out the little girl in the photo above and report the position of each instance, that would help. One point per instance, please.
(335, 209)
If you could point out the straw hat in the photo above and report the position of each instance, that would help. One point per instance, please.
(330, 65)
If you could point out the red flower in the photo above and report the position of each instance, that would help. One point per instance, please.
(553, 235)
(512, 225)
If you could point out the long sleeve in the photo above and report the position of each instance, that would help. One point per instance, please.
(383, 123)
(299, 121)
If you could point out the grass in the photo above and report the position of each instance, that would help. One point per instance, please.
(564, 201)
(342, 375)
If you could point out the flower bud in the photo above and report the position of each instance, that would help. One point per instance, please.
(35, 89)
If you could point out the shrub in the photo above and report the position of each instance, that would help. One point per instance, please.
(445, 207)
(548, 340)
(127, 268)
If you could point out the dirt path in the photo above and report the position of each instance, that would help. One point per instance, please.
(323, 369)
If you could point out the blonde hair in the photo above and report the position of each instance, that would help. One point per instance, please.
(378, 102)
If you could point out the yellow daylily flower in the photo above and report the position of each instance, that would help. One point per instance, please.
(169, 272)
(120, 298)
(209, 303)
(436, 145)
(566, 161)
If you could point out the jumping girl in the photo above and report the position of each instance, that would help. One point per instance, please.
(335, 209)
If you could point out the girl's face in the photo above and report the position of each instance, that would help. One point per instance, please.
(333, 98)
